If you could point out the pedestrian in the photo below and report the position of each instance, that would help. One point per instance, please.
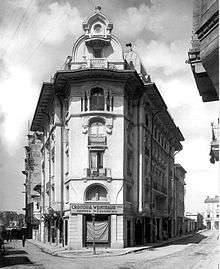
(23, 240)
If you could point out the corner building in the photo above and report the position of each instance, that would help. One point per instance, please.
(108, 147)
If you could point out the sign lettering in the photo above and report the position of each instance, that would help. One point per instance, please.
(96, 209)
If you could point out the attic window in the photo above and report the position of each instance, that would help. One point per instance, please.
(98, 28)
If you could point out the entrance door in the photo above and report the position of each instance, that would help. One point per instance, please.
(138, 232)
(66, 232)
(100, 230)
(128, 233)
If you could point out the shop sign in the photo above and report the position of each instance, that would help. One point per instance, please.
(96, 209)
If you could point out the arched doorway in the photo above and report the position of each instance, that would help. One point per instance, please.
(100, 228)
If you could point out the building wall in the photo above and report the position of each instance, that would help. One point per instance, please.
(212, 213)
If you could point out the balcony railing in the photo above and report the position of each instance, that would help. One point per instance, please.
(97, 63)
(97, 140)
(159, 187)
(99, 173)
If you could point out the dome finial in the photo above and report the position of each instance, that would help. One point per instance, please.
(98, 8)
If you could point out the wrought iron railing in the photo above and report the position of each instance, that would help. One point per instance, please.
(97, 173)
(97, 140)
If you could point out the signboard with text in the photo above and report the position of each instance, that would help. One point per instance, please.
(96, 209)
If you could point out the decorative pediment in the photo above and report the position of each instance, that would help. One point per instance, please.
(98, 25)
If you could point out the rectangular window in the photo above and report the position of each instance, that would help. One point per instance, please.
(96, 160)
(97, 53)
(67, 193)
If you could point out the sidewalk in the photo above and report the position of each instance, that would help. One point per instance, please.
(60, 251)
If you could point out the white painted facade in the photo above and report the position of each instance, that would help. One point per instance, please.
(105, 147)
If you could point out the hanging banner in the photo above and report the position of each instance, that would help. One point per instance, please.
(96, 209)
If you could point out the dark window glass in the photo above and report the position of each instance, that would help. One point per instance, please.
(96, 160)
(97, 53)
(97, 99)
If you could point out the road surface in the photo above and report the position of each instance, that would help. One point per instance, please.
(197, 252)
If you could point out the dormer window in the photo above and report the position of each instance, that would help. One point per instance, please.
(97, 28)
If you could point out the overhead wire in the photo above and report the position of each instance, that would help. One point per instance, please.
(22, 17)
(40, 42)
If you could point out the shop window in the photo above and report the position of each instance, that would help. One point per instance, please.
(96, 193)
(97, 99)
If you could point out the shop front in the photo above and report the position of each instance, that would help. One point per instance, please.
(100, 222)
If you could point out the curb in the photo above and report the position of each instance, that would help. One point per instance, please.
(57, 253)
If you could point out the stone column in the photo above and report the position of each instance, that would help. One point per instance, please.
(75, 231)
(117, 231)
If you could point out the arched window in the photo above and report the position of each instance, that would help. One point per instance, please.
(96, 193)
(97, 99)
(97, 128)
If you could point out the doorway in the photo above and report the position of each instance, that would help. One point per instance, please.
(100, 229)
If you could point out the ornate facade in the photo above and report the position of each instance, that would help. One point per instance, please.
(108, 146)
(204, 54)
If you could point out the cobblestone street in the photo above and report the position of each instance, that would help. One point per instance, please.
(198, 251)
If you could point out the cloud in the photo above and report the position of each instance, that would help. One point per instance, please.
(159, 54)
(58, 22)
(166, 19)
(35, 30)
(17, 99)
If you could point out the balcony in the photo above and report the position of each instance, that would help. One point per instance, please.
(97, 63)
(159, 188)
(94, 140)
(103, 173)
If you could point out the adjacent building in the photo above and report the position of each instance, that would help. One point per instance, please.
(108, 144)
(214, 145)
(32, 184)
(212, 212)
(179, 194)
(204, 54)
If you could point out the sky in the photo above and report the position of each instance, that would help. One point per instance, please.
(38, 35)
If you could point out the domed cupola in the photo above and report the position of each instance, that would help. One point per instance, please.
(97, 29)
(97, 47)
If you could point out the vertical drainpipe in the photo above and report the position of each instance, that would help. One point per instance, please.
(140, 164)
(138, 154)
(43, 189)
(61, 165)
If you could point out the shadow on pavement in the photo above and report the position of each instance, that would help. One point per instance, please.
(195, 239)
(19, 260)
(14, 252)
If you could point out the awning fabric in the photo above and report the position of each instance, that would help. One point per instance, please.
(101, 231)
